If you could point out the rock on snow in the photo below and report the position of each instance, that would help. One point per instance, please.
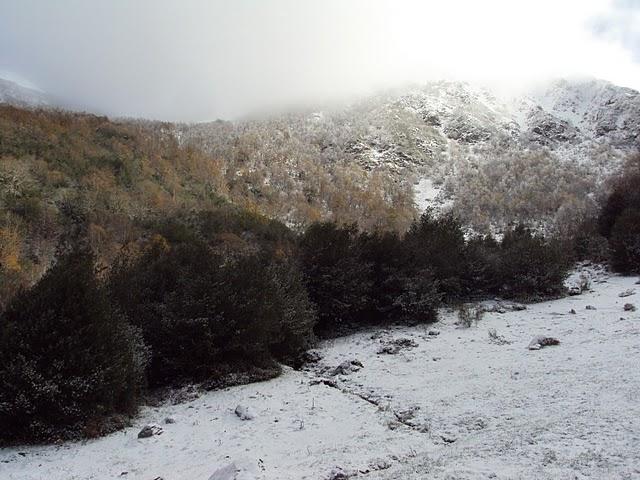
(244, 413)
(225, 473)
(542, 341)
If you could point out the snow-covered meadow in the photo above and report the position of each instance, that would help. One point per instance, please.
(435, 401)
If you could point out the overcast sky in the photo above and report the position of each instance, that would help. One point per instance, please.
(206, 59)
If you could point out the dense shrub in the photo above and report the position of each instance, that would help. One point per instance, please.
(625, 242)
(587, 243)
(522, 264)
(359, 279)
(364, 278)
(437, 244)
(67, 358)
(531, 266)
(482, 274)
(206, 315)
(619, 219)
(297, 312)
(337, 277)
(401, 290)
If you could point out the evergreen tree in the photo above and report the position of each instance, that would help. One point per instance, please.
(66, 357)
(338, 279)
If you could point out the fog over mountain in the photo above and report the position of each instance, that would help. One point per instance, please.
(20, 96)
(197, 61)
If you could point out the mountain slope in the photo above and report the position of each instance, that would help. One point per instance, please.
(452, 132)
(14, 94)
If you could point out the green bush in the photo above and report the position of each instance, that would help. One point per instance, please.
(357, 279)
(437, 244)
(625, 242)
(482, 272)
(531, 266)
(67, 359)
(206, 315)
(297, 313)
(401, 290)
(587, 243)
(619, 219)
(337, 278)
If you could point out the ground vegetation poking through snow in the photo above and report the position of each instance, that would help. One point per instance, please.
(453, 407)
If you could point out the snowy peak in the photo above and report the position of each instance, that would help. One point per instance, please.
(562, 111)
(569, 117)
(598, 108)
(14, 94)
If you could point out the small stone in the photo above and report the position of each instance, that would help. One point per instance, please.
(572, 311)
(346, 367)
(433, 333)
(337, 474)
(541, 341)
(388, 350)
(169, 420)
(629, 307)
(230, 472)
(312, 356)
(590, 307)
(147, 431)
(392, 347)
(627, 293)
(448, 438)
(244, 413)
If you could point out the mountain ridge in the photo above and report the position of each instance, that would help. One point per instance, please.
(17, 95)
(445, 132)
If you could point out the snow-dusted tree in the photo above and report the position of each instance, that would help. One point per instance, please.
(67, 358)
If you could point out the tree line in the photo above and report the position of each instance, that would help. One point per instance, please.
(224, 296)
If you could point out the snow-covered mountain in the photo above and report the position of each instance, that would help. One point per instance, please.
(493, 155)
(494, 159)
(17, 95)
(598, 109)
(570, 118)
(415, 127)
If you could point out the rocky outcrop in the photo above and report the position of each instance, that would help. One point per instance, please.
(542, 341)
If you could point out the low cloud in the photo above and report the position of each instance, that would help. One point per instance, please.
(621, 25)
(200, 60)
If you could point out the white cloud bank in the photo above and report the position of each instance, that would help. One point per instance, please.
(198, 60)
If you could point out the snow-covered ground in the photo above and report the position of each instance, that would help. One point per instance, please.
(426, 194)
(451, 404)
